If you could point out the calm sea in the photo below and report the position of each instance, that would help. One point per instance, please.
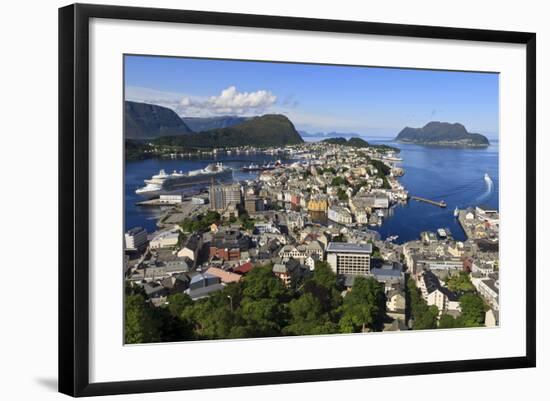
(137, 171)
(450, 174)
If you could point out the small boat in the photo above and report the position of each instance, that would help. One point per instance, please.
(456, 212)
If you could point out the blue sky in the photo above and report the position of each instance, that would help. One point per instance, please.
(317, 98)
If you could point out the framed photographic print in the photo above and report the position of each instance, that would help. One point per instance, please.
(250, 199)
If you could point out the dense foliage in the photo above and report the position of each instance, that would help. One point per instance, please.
(473, 310)
(200, 223)
(364, 307)
(247, 223)
(424, 316)
(342, 194)
(384, 148)
(336, 141)
(383, 170)
(136, 150)
(460, 283)
(472, 315)
(259, 305)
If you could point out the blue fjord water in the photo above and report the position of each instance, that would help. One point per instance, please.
(454, 175)
(450, 174)
(137, 171)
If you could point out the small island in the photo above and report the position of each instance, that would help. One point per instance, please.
(354, 142)
(357, 142)
(437, 133)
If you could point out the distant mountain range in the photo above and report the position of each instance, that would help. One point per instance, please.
(442, 134)
(306, 134)
(162, 125)
(146, 121)
(262, 131)
(199, 124)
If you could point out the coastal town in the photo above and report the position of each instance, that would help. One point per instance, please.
(295, 250)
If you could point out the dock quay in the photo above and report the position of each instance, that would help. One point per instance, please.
(156, 202)
(431, 202)
(162, 200)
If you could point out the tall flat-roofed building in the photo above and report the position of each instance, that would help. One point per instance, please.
(223, 195)
(349, 259)
(135, 239)
(253, 204)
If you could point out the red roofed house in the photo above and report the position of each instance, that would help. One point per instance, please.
(243, 269)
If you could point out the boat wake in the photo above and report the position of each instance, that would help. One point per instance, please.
(489, 188)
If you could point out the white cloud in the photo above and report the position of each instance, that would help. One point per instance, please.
(229, 101)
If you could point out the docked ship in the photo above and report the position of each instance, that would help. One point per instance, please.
(265, 167)
(163, 182)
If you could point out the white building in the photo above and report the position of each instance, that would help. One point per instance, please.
(443, 301)
(361, 216)
(488, 289)
(396, 304)
(349, 259)
(435, 294)
(165, 239)
(339, 214)
(170, 199)
(482, 268)
(491, 318)
(294, 220)
(310, 261)
(196, 200)
(302, 252)
(135, 238)
(191, 248)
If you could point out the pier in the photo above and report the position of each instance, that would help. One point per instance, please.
(431, 202)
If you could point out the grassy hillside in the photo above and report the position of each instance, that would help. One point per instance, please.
(264, 131)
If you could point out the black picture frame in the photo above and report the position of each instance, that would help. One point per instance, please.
(74, 200)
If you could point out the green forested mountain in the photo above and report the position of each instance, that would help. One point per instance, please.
(200, 124)
(267, 130)
(336, 141)
(441, 133)
(355, 142)
(145, 121)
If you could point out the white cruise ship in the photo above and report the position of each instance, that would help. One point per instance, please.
(163, 182)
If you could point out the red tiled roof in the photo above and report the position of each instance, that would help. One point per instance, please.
(243, 269)
(226, 277)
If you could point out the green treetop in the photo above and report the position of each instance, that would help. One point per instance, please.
(364, 307)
